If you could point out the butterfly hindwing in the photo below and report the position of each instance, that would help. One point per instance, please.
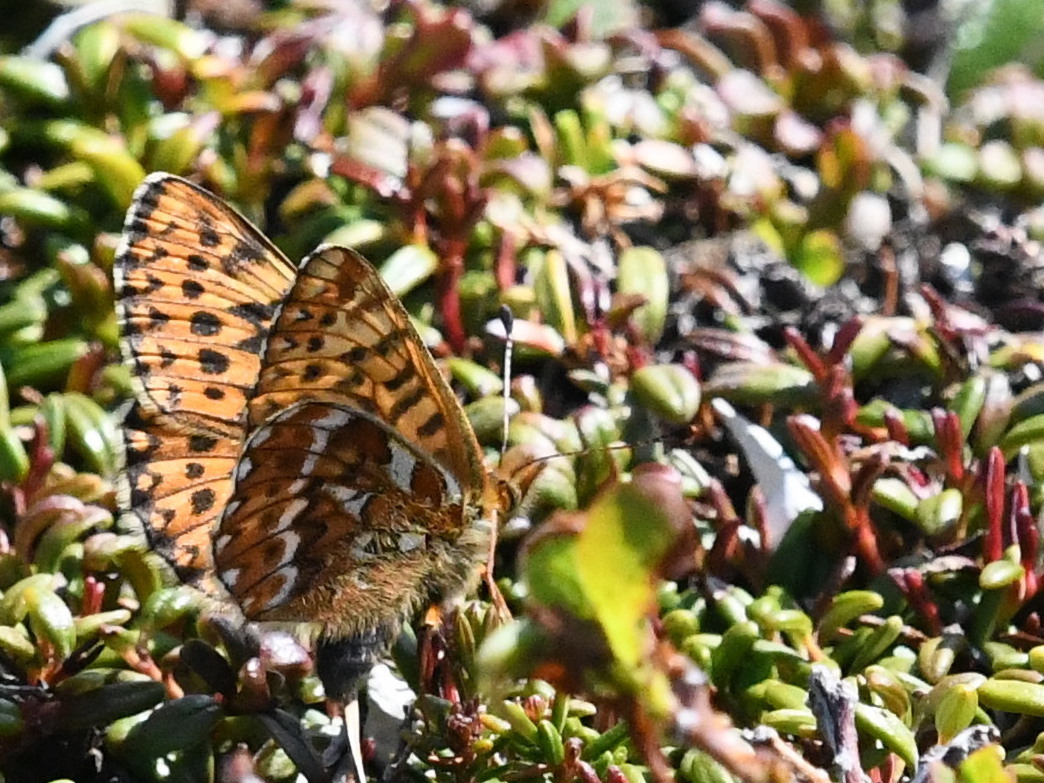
(337, 519)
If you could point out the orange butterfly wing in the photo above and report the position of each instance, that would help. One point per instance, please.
(361, 492)
(197, 286)
(336, 520)
(344, 337)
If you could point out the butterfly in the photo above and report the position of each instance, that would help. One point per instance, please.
(293, 445)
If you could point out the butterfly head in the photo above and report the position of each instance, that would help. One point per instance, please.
(513, 478)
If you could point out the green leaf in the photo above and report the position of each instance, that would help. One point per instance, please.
(554, 296)
(997, 32)
(408, 267)
(643, 271)
(668, 390)
(984, 766)
(820, 257)
(889, 730)
(174, 725)
(550, 570)
(617, 557)
(607, 16)
(1023, 698)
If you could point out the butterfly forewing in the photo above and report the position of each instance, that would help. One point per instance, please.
(337, 519)
(197, 287)
(342, 336)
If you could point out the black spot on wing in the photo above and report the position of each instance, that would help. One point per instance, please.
(252, 344)
(355, 355)
(387, 344)
(202, 501)
(405, 402)
(402, 377)
(247, 252)
(213, 362)
(158, 317)
(202, 444)
(208, 235)
(434, 423)
(204, 324)
(257, 313)
(147, 201)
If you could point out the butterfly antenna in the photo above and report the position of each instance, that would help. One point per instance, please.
(581, 452)
(508, 319)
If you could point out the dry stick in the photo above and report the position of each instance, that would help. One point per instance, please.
(768, 738)
(65, 26)
(833, 704)
(963, 745)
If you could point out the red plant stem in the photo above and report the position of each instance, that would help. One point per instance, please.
(637, 355)
(93, 595)
(1024, 531)
(993, 542)
(690, 360)
(41, 460)
(429, 657)
(380, 183)
(839, 402)
(911, 583)
(955, 437)
(726, 540)
(849, 330)
(858, 520)
(949, 443)
(449, 293)
(787, 27)
(896, 426)
(864, 478)
(808, 357)
(940, 313)
(836, 483)
(506, 263)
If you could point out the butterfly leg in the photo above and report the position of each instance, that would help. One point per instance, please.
(487, 575)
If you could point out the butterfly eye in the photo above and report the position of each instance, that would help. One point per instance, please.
(513, 487)
(508, 497)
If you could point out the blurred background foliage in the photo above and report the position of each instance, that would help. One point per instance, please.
(775, 271)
